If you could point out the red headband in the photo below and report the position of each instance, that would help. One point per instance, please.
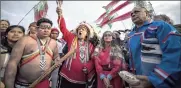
(55, 29)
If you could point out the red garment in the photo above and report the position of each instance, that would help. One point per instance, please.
(75, 74)
(103, 59)
(43, 84)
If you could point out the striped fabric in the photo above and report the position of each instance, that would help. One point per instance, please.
(164, 75)
(151, 52)
(115, 19)
(30, 57)
(106, 19)
(110, 5)
(155, 51)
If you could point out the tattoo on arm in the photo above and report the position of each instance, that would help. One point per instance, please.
(15, 58)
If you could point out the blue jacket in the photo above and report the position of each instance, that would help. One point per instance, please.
(155, 51)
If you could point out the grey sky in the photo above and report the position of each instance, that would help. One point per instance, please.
(77, 11)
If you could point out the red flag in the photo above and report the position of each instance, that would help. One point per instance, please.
(106, 19)
(118, 8)
(100, 17)
(114, 11)
(119, 18)
(111, 4)
(40, 10)
(122, 17)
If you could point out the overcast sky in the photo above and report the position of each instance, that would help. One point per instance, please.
(76, 11)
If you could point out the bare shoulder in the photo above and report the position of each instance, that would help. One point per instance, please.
(22, 41)
(53, 42)
(26, 39)
(18, 49)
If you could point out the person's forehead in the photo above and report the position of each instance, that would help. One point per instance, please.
(108, 32)
(137, 9)
(32, 24)
(4, 22)
(83, 27)
(44, 23)
(16, 29)
(54, 31)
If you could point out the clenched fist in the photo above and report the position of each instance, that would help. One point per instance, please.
(59, 11)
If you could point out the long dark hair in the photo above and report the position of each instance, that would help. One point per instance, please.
(5, 40)
(115, 53)
(94, 40)
(103, 42)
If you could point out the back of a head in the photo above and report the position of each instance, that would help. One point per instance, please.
(164, 18)
(33, 24)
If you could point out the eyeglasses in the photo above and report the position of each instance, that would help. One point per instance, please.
(45, 27)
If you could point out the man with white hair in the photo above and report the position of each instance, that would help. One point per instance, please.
(155, 52)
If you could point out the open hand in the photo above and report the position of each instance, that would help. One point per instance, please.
(58, 62)
(107, 83)
(144, 82)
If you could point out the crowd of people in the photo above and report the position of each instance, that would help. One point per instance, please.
(151, 51)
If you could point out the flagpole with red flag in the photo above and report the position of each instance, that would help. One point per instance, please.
(40, 10)
(28, 12)
(111, 4)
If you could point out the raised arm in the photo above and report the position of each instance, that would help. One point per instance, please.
(14, 60)
(168, 72)
(62, 25)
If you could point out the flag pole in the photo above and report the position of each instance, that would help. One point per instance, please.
(123, 24)
(28, 12)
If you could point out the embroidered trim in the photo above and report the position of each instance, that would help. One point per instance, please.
(71, 80)
(139, 33)
(152, 27)
(163, 75)
(171, 33)
(30, 57)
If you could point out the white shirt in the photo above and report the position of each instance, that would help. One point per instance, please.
(61, 43)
